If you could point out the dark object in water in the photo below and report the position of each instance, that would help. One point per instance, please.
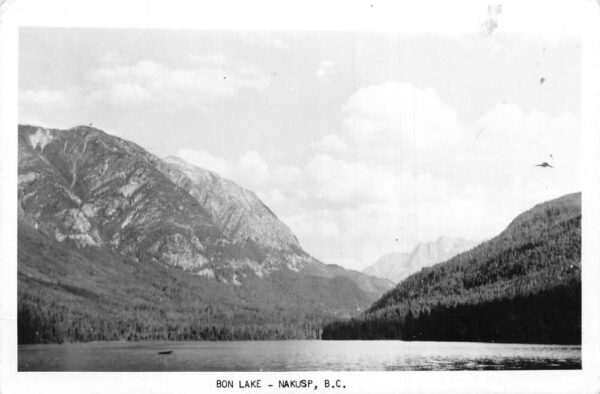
(166, 352)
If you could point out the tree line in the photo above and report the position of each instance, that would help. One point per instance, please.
(522, 286)
(40, 321)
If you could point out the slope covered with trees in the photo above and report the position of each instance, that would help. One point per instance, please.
(69, 294)
(522, 286)
(116, 243)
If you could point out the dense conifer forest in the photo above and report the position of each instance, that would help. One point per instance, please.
(523, 286)
(41, 321)
(97, 296)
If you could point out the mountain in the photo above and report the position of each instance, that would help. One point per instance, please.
(397, 266)
(114, 242)
(524, 286)
(238, 212)
(392, 266)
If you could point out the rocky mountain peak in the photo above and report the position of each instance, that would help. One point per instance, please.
(238, 212)
(397, 266)
(84, 188)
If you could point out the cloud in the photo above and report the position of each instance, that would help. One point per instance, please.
(208, 79)
(331, 143)
(350, 236)
(343, 183)
(205, 160)
(199, 84)
(404, 169)
(127, 93)
(56, 108)
(410, 118)
(44, 97)
(302, 224)
(215, 59)
(399, 126)
(278, 185)
(264, 39)
(287, 175)
(249, 170)
(510, 141)
(325, 69)
(526, 136)
(252, 168)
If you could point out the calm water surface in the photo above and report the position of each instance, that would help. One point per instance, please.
(295, 356)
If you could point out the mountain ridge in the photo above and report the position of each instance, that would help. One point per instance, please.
(82, 190)
(522, 286)
(397, 266)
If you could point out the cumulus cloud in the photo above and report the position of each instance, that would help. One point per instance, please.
(199, 83)
(279, 186)
(203, 159)
(49, 107)
(44, 97)
(403, 169)
(249, 170)
(126, 93)
(412, 118)
(339, 182)
(208, 79)
(367, 205)
(510, 141)
(349, 236)
(332, 143)
(301, 223)
(325, 69)
(287, 175)
(252, 168)
(397, 125)
(527, 136)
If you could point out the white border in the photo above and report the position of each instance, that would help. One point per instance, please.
(580, 17)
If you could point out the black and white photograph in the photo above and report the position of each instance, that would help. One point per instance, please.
(245, 200)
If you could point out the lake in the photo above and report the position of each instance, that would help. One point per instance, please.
(307, 355)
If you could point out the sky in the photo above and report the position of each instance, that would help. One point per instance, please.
(363, 143)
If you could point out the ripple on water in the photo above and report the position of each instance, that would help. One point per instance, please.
(296, 356)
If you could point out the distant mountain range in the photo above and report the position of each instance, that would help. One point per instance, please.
(397, 266)
(523, 286)
(115, 242)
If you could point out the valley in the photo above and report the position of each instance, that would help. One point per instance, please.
(115, 243)
(523, 286)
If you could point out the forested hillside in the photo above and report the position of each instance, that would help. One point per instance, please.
(398, 266)
(116, 243)
(66, 294)
(522, 286)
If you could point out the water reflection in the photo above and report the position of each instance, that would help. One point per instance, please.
(296, 356)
